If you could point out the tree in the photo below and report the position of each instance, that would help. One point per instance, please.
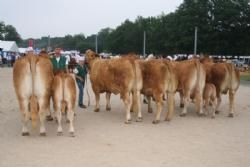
(11, 34)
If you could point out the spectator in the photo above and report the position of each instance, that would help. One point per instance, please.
(81, 73)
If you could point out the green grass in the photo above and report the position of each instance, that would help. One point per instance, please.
(245, 77)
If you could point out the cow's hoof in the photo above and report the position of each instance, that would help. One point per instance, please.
(213, 116)
(97, 110)
(181, 105)
(67, 121)
(231, 115)
(128, 121)
(59, 133)
(139, 119)
(167, 119)
(25, 133)
(150, 110)
(71, 134)
(201, 114)
(217, 112)
(43, 134)
(49, 118)
(183, 114)
(108, 108)
(156, 121)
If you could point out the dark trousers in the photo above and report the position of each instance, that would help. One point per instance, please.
(80, 85)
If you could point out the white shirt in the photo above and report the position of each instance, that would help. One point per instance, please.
(58, 59)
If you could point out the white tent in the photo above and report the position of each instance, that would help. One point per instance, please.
(9, 46)
(22, 50)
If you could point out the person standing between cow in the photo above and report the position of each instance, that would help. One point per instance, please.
(59, 62)
(81, 73)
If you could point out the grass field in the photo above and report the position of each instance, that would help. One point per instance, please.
(245, 76)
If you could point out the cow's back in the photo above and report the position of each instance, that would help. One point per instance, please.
(156, 76)
(22, 76)
(112, 75)
(190, 74)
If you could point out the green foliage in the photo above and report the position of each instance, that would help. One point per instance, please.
(9, 33)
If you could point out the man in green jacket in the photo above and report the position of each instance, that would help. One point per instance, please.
(81, 73)
(59, 62)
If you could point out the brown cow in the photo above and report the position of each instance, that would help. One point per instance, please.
(64, 95)
(32, 76)
(225, 77)
(158, 78)
(115, 76)
(191, 80)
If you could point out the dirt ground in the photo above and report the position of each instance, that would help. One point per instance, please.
(102, 139)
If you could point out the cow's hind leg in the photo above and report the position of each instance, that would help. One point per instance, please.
(138, 103)
(24, 109)
(218, 103)
(181, 99)
(108, 105)
(42, 115)
(214, 103)
(186, 101)
(58, 113)
(97, 99)
(159, 103)
(150, 109)
(70, 115)
(171, 105)
(128, 103)
(49, 113)
(231, 103)
(198, 103)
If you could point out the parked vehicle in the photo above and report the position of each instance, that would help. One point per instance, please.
(238, 63)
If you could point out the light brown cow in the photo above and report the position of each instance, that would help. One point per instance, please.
(64, 96)
(32, 76)
(158, 78)
(191, 78)
(225, 77)
(118, 76)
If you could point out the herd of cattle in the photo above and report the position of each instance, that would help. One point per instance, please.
(200, 80)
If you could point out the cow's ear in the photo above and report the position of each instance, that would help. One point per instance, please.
(97, 55)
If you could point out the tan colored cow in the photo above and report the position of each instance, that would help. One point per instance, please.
(118, 76)
(191, 78)
(225, 77)
(32, 76)
(64, 96)
(158, 78)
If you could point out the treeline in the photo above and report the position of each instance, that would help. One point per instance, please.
(9, 33)
(223, 29)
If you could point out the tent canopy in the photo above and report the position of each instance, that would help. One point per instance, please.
(9, 46)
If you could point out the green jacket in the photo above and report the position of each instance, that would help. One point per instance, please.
(82, 71)
(61, 65)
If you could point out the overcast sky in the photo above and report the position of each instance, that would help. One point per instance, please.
(36, 18)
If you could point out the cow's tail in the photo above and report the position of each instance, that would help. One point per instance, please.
(135, 101)
(33, 99)
(200, 83)
(63, 102)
